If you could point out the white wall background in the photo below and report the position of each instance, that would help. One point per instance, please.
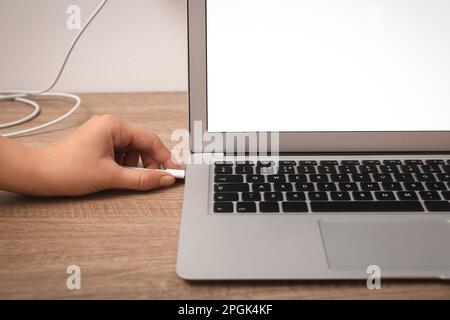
(135, 45)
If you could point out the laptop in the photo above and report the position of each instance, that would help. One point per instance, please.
(320, 139)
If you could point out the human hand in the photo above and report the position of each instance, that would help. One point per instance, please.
(94, 158)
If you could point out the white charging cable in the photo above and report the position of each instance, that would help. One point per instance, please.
(22, 96)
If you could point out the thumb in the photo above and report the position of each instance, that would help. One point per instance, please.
(141, 180)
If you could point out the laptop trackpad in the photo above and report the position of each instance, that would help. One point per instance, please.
(395, 246)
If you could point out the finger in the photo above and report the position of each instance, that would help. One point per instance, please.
(150, 163)
(148, 144)
(131, 159)
(154, 152)
(141, 180)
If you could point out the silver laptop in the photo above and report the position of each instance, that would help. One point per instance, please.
(320, 132)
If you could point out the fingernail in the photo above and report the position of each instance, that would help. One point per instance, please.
(166, 181)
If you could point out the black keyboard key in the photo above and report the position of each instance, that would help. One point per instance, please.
(246, 207)
(392, 162)
(327, 169)
(223, 170)
(392, 186)
(340, 178)
(348, 169)
(261, 187)
(382, 177)
(389, 169)
(368, 169)
(273, 196)
(410, 168)
(277, 178)
(307, 163)
(251, 196)
(318, 178)
(286, 170)
(252, 178)
(415, 162)
(269, 207)
(244, 169)
(305, 187)
(226, 197)
(228, 179)
(306, 169)
(414, 186)
(329, 163)
(232, 187)
(340, 196)
(371, 162)
(223, 207)
(403, 177)
(425, 177)
(298, 178)
(362, 196)
(443, 176)
(407, 195)
(446, 195)
(371, 186)
(430, 195)
(318, 196)
(287, 163)
(437, 162)
(350, 163)
(446, 168)
(438, 206)
(283, 187)
(385, 196)
(361, 177)
(431, 169)
(367, 206)
(293, 207)
(436, 186)
(349, 186)
(328, 186)
(295, 196)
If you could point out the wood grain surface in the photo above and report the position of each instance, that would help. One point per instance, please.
(126, 242)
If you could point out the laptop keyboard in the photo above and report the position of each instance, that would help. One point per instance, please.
(331, 186)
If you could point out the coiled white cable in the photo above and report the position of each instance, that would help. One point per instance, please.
(23, 95)
(31, 116)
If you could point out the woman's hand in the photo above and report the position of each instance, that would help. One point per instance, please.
(91, 159)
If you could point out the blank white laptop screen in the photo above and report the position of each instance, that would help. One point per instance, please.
(328, 65)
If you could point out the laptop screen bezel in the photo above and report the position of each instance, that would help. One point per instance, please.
(289, 142)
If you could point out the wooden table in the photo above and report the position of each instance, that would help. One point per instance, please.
(126, 242)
